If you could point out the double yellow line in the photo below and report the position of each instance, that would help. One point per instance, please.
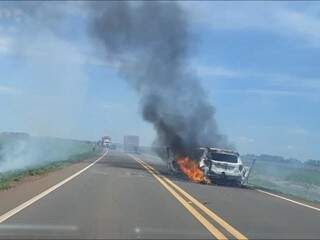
(189, 202)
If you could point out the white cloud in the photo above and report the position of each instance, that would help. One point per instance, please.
(226, 15)
(290, 130)
(299, 131)
(300, 24)
(290, 147)
(263, 92)
(277, 18)
(214, 71)
(5, 44)
(114, 106)
(11, 46)
(243, 139)
(11, 13)
(277, 84)
(5, 13)
(8, 90)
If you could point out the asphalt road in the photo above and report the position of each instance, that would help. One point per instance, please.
(133, 196)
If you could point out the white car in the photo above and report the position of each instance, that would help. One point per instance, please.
(220, 164)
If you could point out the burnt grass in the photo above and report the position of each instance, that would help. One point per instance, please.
(8, 179)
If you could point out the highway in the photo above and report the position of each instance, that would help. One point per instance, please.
(133, 196)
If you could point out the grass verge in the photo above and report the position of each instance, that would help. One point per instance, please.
(8, 179)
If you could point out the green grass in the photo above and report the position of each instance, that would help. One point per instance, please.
(285, 172)
(7, 179)
(291, 180)
(307, 176)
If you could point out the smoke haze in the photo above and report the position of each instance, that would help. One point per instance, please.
(50, 75)
(50, 82)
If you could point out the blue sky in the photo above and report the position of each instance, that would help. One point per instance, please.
(258, 62)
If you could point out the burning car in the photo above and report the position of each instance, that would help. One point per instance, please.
(226, 165)
(207, 165)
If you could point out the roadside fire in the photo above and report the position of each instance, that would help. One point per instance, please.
(192, 170)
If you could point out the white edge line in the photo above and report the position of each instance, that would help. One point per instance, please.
(46, 192)
(289, 200)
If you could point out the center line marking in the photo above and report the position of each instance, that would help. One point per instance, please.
(212, 229)
(194, 201)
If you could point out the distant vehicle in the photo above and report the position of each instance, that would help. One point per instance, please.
(106, 141)
(131, 143)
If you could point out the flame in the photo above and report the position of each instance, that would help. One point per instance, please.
(191, 169)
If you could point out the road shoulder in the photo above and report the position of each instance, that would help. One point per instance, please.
(30, 186)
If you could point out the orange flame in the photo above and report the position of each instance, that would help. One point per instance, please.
(191, 169)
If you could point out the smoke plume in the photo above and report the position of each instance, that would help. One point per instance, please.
(149, 41)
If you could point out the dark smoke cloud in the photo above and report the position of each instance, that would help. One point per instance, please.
(150, 42)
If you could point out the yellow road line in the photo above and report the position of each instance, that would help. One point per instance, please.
(213, 215)
(213, 230)
(234, 232)
(45, 193)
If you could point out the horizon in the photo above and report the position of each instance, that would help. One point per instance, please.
(150, 146)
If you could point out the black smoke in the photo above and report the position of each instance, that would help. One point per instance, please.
(150, 42)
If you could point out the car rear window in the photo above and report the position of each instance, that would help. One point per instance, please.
(221, 157)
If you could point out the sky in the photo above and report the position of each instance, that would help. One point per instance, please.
(258, 62)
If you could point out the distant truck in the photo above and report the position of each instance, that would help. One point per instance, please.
(106, 141)
(219, 165)
(131, 143)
